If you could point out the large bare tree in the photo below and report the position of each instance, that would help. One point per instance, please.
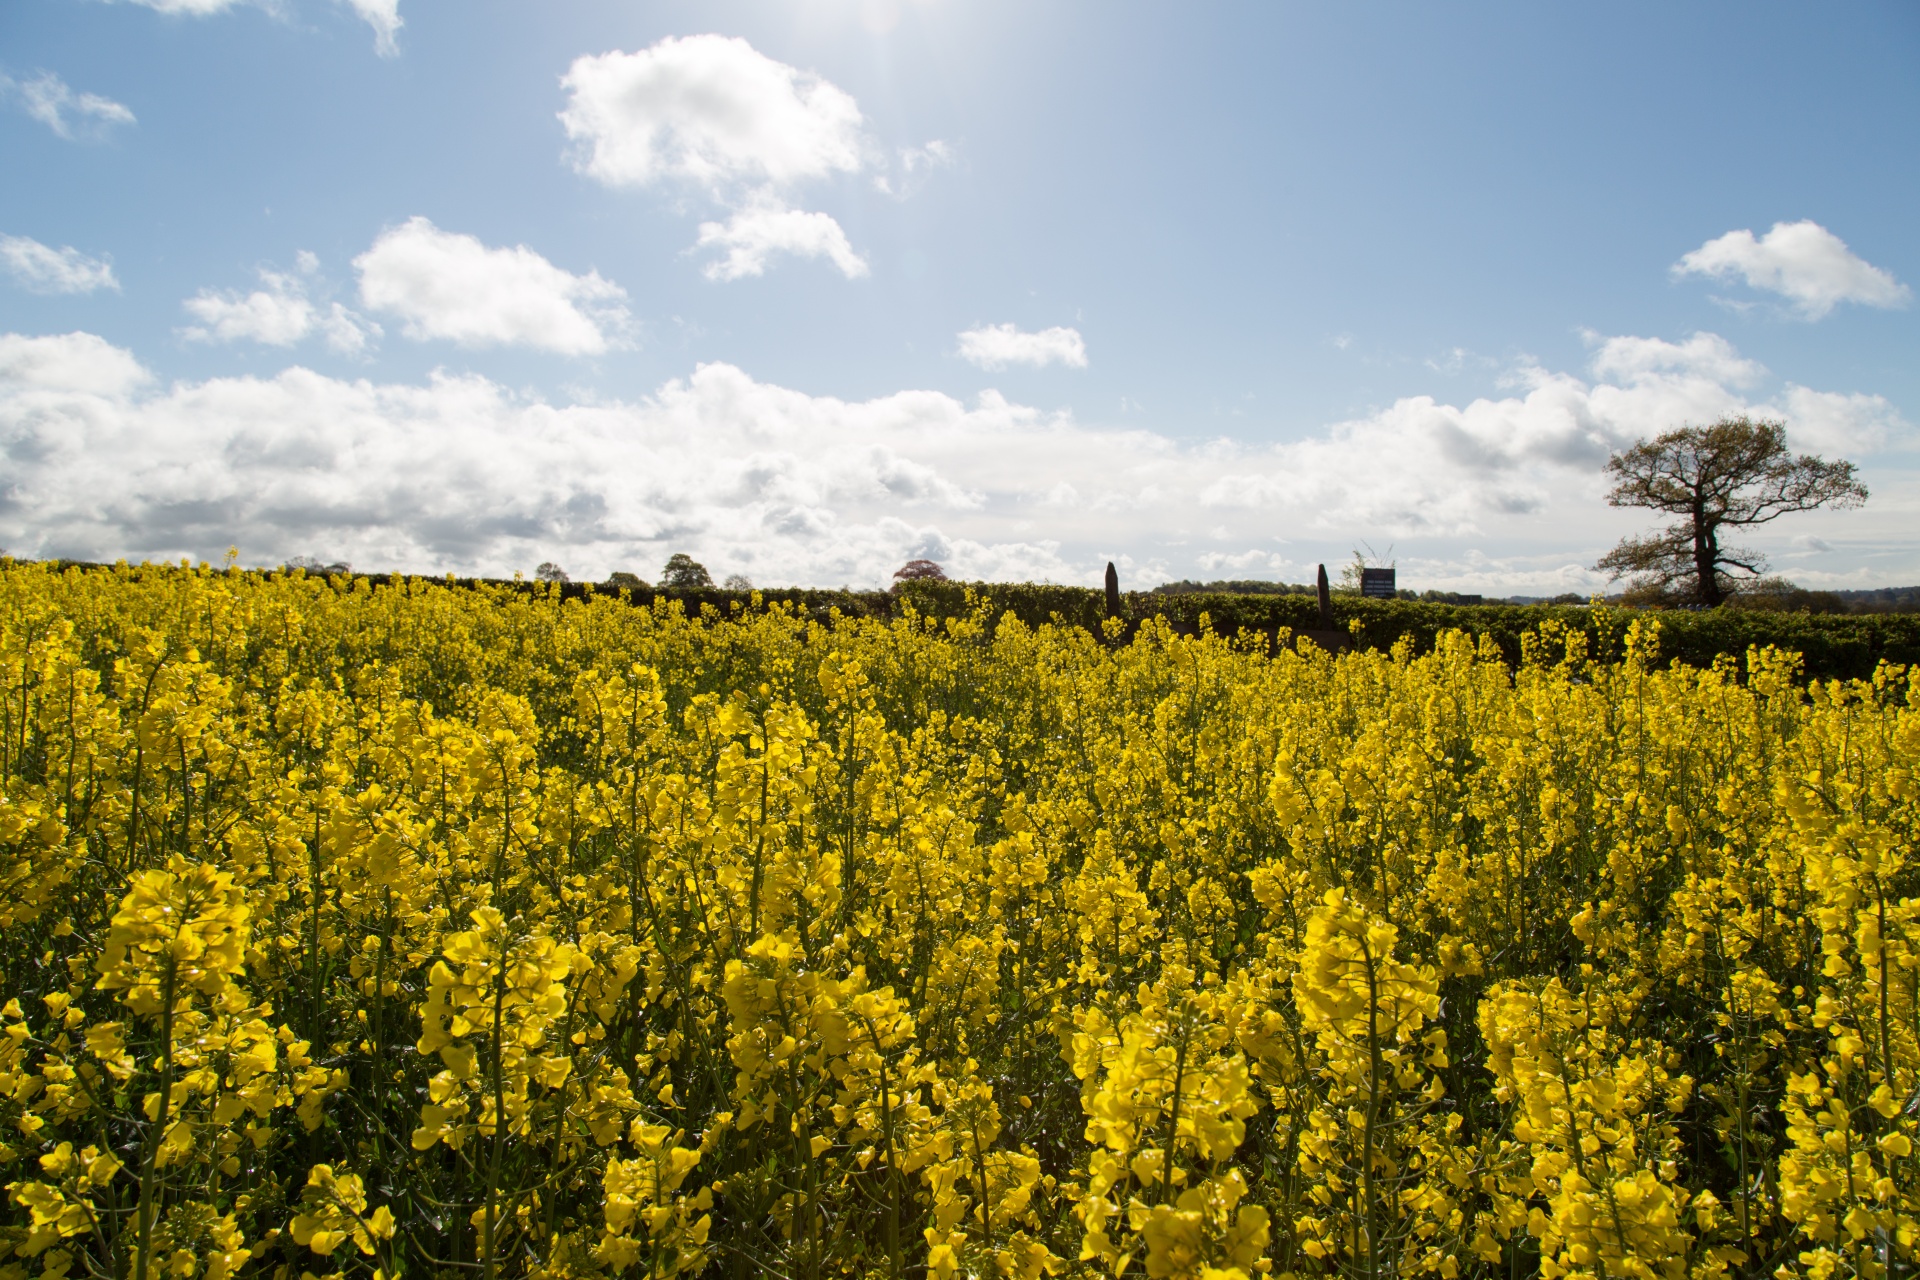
(1726, 476)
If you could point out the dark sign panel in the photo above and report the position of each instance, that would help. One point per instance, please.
(1377, 583)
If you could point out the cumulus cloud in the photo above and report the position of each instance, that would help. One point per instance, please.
(461, 473)
(1704, 355)
(278, 314)
(713, 114)
(708, 109)
(77, 117)
(752, 236)
(444, 285)
(1842, 422)
(1801, 261)
(1424, 467)
(82, 363)
(995, 346)
(38, 268)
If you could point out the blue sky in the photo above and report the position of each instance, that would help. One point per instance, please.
(431, 285)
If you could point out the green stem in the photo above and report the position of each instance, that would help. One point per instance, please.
(149, 1157)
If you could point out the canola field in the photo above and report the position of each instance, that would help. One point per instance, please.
(422, 932)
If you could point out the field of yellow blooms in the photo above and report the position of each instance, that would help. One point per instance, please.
(421, 932)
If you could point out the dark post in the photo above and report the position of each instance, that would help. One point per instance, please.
(1113, 591)
(1326, 602)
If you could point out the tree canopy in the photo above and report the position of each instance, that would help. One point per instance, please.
(683, 571)
(1731, 474)
(919, 571)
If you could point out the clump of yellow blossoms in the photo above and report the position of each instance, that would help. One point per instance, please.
(415, 931)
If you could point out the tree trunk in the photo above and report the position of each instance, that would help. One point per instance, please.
(1706, 560)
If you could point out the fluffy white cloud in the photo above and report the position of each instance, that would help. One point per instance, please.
(708, 109)
(451, 286)
(77, 117)
(384, 17)
(752, 236)
(38, 268)
(1704, 355)
(278, 314)
(715, 114)
(1839, 422)
(72, 362)
(462, 474)
(1803, 262)
(996, 346)
(274, 315)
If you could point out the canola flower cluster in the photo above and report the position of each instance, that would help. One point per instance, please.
(426, 932)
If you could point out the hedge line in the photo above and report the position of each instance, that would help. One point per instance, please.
(1834, 646)
(1842, 646)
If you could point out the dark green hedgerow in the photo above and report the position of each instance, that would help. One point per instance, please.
(1844, 646)
(1834, 646)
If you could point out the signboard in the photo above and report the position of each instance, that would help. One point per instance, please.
(1377, 583)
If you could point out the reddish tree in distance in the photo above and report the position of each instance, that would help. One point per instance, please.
(918, 571)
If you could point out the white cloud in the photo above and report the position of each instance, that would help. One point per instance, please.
(916, 165)
(752, 236)
(451, 286)
(710, 110)
(461, 473)
(1705, 355)
(76, 362)
(77, 117)
(995, 346)
(715, 114)
(1801, 261)
(384, 17)
(1838, 422)
(279, 314)
(40, 269)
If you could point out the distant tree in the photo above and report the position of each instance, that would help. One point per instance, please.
(314, 565)
(738, 582)
(631, 581)
(1778, 595)
(918, 571)
(683, 572)
(1729, 475)
(1233, 587)
(550, 572)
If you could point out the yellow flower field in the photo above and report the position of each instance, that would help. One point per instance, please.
(433, 932)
